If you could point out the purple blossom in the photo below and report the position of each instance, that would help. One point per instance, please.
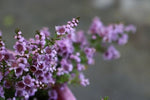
(19, 47)
(20, 92)
(1, 56)
(7, 84)
(107, 34)
(45, 30)
(33, 68)
(41, 58)
(11, 98)
(2, 92)
(40, 40)
(19, 68)
(38, 73)
(76, 57)
(89, 51)
(30, 91)
(80, 67)
(61, 30)
(8, 56)
(27, 80)
(94, 37)
(41, 78)
(20, 85)
(41, 66)
(22, 60)
(46, 61)
(52, 95)
(72, 24)
(60, 71)
(95, 26)
(66, 65)
(81, 38)
(48, 50)
(110, 33)
(48, 76)
(83, 81)
(1, 76)
(123, 39)
(91, 61)
(65, 47)
(71, 34)
(39, 84)
(19, 71)
(118, 28)
(130, 28)
(14, 65)
(42, 43)
(111, 53)
(89, 54)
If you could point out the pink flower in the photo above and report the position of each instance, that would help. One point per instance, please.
(111, 53)
(60, 30)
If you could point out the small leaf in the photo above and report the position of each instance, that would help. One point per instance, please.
(78, 18)
(105, 98)
(17, 30)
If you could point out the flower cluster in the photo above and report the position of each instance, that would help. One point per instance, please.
(107, 35)
(38, 65)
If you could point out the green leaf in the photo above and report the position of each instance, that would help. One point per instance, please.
(2, 98)
(63, 78)
(17, 30)
(37, 32)
(41, 94)
(26, 52)
(30, 59)
(78, 18)
(105, 98)
(9, 93)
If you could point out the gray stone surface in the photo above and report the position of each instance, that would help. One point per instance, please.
(125, 79)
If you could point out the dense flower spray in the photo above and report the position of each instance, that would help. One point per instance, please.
(44, 62)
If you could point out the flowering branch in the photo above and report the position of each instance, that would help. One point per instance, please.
(40, 65)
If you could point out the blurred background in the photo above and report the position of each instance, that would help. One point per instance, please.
(127, 78)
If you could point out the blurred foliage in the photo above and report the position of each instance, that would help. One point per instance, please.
(8, 20)
(105, 98)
